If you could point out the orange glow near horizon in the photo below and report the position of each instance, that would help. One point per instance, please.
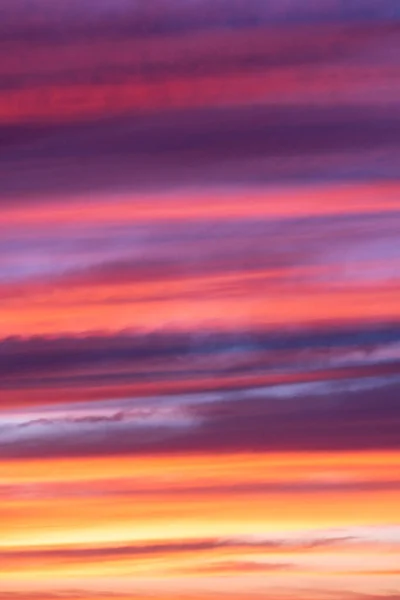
(124, 516)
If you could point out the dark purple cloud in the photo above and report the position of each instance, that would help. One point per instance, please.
(213, 133)
(208, 54)
(230, 146)
(328, 415)
(42, 357)
(42, 20)
(178, 147)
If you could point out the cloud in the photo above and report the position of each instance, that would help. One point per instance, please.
(373, 573)
(231, 146)
(214, 52)
(277, 247)
(330, 416)
(240, 567)
(60, 370)
(66, 594)
(280, 594)
(21, 355)
(165, 547)
(136, 490)
(192, 356)
(41, 20)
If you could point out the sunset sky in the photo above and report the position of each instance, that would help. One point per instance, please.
(199, 300)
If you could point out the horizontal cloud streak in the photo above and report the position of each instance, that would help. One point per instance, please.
(25, 356)
(243, 145)
(41, 21)
(351, 415)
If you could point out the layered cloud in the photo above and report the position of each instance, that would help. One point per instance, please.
(335, 414)
(183, 258)
(39, 18)
(242, 146)
(199, 300)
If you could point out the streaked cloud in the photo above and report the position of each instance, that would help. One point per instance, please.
(199, 300)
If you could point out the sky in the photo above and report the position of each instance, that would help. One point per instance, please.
(199, 300)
